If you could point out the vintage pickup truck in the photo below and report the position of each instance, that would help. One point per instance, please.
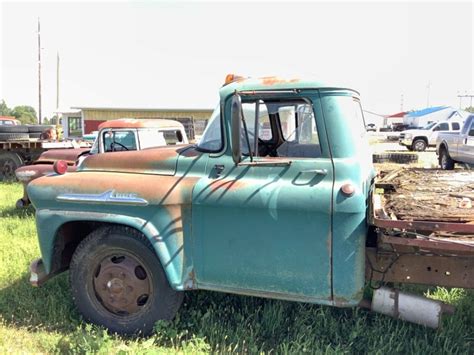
(115, 135)
(456, 147)
(274, 201)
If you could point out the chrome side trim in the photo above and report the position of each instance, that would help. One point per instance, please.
(108, 197)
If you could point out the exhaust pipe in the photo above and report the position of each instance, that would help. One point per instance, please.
(411, 308)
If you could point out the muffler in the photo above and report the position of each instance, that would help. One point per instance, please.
(408, 307)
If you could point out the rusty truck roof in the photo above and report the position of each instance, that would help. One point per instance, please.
(141, 123)
(275, 83)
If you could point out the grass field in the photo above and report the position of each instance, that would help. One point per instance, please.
(43, 320)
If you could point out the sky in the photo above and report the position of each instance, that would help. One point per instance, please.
(152, 54)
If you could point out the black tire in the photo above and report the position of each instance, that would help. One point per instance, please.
(380, 158)
(102, 281)
(445, 161)
(13, 129)
(419, 145)
(38, 128)
(9, 162)
(13, 136)
(404, 158)
(409, 148)
(20, 204)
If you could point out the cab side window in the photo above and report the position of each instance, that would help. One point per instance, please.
(279, 129)
(119, 141)
(442, 127)
(471, 130)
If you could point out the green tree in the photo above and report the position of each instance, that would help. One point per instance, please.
(469, 109)
(25, 114)
(4, 109)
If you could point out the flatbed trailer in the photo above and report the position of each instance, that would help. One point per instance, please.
(16, 153)
(424, 228)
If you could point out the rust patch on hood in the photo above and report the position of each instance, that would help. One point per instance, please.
(273, 80)
(160, 160)
(68, 155)
(155, 189)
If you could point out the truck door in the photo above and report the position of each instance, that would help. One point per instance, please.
(264, 227)
(440, 127)
(466, 144)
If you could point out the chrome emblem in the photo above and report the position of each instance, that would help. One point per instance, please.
(108, 197)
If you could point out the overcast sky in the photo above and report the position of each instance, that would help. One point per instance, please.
(176, 54)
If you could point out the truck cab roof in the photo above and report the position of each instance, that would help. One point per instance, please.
(237, 83)
(140, 123)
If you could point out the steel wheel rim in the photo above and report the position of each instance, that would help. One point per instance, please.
(419, 146)
(8, 170)
(444, 160)
(122, 285)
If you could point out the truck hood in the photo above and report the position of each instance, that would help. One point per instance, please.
(69, 155)
(161, 161)
(416, 131)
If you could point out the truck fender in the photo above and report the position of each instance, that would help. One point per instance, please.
(168, 250)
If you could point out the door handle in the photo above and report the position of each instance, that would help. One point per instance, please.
(316, 171)
(218, 168)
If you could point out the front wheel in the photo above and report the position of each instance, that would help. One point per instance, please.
(445, 161)
(419, 145)
(117, 281)
(9, 162)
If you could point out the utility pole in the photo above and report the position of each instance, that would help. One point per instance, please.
(428, 87)
(465, 95)
(39, 73)
(57, 82)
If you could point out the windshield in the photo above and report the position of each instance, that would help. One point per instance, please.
(429, 125)
(212, 137)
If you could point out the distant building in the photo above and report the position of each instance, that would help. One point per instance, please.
(83, 120)
(396, 118)
(421, 118)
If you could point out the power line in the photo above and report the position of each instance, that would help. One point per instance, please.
(465, 95)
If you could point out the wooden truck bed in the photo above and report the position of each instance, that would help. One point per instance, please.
(424, 219)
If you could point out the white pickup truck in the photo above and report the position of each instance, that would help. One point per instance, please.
(456, 147)
(420, 139)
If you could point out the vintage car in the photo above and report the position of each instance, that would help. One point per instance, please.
(115, 135)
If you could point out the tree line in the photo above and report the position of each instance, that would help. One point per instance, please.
(24, 113)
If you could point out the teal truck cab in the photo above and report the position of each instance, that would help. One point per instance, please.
(274, 201)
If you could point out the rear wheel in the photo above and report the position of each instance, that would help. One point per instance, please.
(445, 161)
(9, 162)
(419, 145)
(118, 282)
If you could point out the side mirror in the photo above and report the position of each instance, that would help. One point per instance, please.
(179, 136)
(236, 116)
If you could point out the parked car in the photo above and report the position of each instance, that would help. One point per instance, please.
(370, 127)
(456, 147)
(113, 136)
(9, 121)
(420, 139)
(281, 213)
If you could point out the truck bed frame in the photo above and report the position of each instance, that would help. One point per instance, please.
(424, 231)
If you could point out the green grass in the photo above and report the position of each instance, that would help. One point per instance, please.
(43, 320)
